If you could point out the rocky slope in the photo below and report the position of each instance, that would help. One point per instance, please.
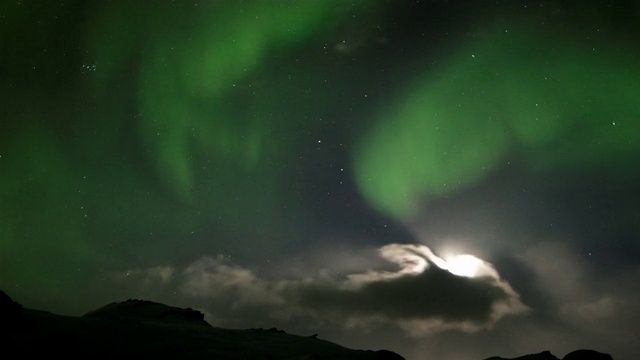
(149, 330)
(574, 355)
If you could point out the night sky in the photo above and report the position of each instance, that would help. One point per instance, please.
(444, 179)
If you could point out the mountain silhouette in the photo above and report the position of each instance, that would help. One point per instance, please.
(149, 311)
(574, 355)
(140, 329)
(545, 355)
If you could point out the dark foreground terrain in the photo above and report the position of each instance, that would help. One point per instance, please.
(148, 330)
(574, 355)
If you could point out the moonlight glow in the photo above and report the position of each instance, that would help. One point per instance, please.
(465, 265)
(415, 259)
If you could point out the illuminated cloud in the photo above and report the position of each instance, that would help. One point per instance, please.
(425, 294)
(579, 295)
(215, 279)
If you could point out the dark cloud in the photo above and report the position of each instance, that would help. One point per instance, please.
(421, 297)
(576, 304)
(434, 293)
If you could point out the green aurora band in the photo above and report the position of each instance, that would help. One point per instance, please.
(145, 134)
(555, 103)
(132, 139)
(186, 75)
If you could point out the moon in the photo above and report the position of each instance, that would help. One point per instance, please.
(464, 265)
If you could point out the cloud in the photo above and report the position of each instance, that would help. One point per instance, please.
(212, 278)
(150, 277)
(423, 295)
(586, 305)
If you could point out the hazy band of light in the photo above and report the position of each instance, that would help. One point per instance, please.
(553, 102)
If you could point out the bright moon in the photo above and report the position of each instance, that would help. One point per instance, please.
(464, 265)
(415, 259)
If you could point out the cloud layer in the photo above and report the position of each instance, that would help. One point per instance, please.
(423, 295)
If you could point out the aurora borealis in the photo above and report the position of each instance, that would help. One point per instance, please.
(519, 94)
(249, 157)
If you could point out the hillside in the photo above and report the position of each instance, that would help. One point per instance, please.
(145, 329)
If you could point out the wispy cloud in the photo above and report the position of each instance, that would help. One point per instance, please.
(425, 294)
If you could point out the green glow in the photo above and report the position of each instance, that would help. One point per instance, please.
(42, 185)
(159, 142)
(556, 103)
(187, 71)
(189, 136)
